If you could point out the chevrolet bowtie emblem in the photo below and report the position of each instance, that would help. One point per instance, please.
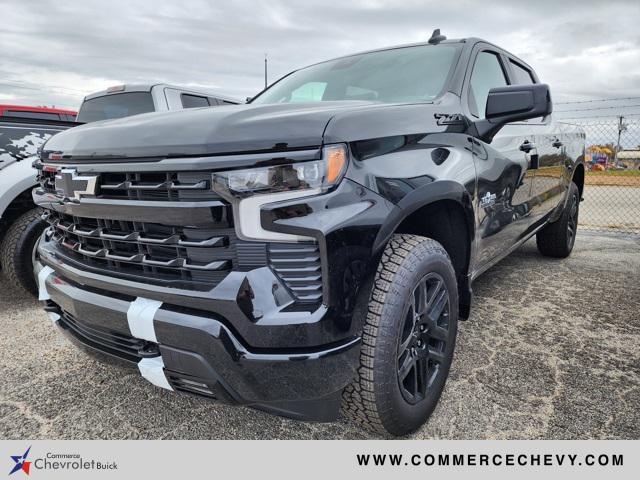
(71, 185)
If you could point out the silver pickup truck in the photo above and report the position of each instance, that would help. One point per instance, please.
(126, 100)
(24, 129)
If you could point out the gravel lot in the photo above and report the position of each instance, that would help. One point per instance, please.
(552, 351)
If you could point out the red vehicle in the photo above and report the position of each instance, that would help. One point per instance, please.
(37, 113)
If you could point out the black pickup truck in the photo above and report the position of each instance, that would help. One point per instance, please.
(312, 250)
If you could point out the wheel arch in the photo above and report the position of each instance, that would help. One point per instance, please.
(16, 182)
(444, 212)
(578, 177)
(14, 207)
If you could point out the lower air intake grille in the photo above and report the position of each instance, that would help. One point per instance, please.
(189, 384)
(117, 344)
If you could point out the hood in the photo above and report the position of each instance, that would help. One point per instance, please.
(201, 131)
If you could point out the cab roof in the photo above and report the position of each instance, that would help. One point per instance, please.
(469, 42)
(146, 87)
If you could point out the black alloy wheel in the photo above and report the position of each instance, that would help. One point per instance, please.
(421, 349)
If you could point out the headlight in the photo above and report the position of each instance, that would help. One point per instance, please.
(317, 174)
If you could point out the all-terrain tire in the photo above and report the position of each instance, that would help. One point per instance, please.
(557, 238)
(16, 250)
(378, 398)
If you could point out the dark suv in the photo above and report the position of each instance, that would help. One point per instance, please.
(314, 248)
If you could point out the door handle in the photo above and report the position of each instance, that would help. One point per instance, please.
(527, 146)
(557, 144)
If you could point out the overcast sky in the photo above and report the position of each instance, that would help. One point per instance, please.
(54, 52)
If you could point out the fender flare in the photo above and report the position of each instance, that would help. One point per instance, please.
(422, 197)
(557, 213)
(15, 179)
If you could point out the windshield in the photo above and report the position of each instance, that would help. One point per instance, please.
(408, 74)
(115, 106)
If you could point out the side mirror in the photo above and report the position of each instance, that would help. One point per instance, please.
(512, 104)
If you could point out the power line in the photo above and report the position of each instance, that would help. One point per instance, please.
(598, 100)
(20, 86)
(599, 108)
(42, 88)
(589, 117)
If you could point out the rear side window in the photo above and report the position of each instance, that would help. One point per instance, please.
(487, 74)
(521, 74)
(115, 106)
(194, 101)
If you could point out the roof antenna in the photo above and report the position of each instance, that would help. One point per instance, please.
(436, 38)
(265, 71)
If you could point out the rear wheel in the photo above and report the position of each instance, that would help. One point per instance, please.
(17, 251)
(408, 339)
(557, 238)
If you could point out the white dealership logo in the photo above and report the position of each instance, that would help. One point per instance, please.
(488, 199)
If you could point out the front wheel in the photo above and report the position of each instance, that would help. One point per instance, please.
(17, 251)
(408, 339)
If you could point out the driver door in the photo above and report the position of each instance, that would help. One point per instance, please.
(504, 180)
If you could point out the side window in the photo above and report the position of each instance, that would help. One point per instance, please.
(358, 93)
(487, 74)
(522, 76)
(193, 101)
(221, 102)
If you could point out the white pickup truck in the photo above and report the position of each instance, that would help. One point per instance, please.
(126, 100)
(24, 129)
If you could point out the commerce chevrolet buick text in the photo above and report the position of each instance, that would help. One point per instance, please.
(313, 250)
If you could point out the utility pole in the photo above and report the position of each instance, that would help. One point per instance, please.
(265, 70)
(621, 128)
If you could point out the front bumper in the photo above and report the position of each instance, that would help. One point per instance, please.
(201, 355)
(287, 360)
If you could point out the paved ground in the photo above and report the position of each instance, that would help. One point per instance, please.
(611, 207)
(552, 351)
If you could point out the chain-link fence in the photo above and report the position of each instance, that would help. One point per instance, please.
(612, 180)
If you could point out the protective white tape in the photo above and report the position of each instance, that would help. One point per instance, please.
(153, 370)
(42, 287)
(54, 317)
(140, 317)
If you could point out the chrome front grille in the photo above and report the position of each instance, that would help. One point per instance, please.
(198, 248)
(150, 186)
(171, 187)
(165, 253)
